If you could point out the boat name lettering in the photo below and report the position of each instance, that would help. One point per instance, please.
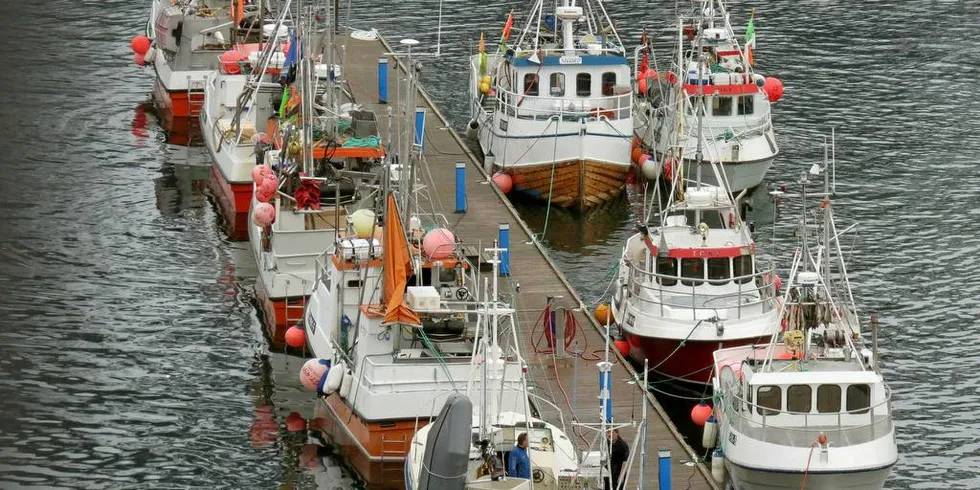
(312, 321)
(732, 438)
(629, 319)
(570, 60)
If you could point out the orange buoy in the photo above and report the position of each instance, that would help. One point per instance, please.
(635, 143)
(602, 314)
(700, 413)
(295, 336)
(635, 155)
(140, 45)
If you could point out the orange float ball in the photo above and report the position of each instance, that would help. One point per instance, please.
(140, 45)
(700, 413)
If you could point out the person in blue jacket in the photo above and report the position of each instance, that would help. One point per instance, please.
(519, 463)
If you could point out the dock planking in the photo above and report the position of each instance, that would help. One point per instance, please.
(575, 396)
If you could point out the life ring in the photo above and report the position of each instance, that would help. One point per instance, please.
(334, 378)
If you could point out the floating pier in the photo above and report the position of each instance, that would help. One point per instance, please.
(571, 384)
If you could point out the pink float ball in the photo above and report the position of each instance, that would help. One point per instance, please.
(503, 182)
(260, 172)
(313, 372)
(439, 243)
(139, 59)
(263, 215)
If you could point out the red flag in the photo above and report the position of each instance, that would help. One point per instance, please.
(508, 26)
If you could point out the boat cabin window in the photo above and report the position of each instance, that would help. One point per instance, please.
(799, 399)
(828, 399)
(770, 400)
(742, 268)
(557, 84)
(668, 267)
(608, 82)
(746, 105)
(719, 270)
(531, 84)
(858, 398)
(583, 84)
(721, 106)
(692, 269)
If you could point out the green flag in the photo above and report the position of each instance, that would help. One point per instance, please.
(750, 31)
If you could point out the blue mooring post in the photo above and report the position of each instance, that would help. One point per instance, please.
(383, 80)
(605, 390)
(460, 187)
(503, 237)
(664, 467)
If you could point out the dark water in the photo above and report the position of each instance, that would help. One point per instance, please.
(130, 353)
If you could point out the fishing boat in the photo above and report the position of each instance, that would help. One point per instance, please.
(495, 425)
(810, 409)
(186, 39)
(399, 323)
(322, 169)
(733, 125)
(693, 282)
(553, 110)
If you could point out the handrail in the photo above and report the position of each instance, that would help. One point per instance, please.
(612, 107)
(848, 434)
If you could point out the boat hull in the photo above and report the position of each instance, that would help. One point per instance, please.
(744, 478)
(233, 199)
(375, 449)
(579, 184)
(276, 312)
(741, 175)
(690, 363)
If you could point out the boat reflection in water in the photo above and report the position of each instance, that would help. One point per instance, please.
(573, 232)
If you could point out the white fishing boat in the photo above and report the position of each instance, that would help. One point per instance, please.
(554, 109)
(188, 37)
(734, 124)
(810, 409)
(691, 281)
(496, 426)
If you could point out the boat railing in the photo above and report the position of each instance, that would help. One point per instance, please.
(801, 429)
(544, 108)
(751, 290)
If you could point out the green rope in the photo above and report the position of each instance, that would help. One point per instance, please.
(368, 142)
(438, 354)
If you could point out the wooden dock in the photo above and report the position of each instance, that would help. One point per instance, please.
(539, 279)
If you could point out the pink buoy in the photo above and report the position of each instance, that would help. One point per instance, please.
(313, 372)
(264, 194)
(139, 60)
(779, 283)
(260, 172)
(503, 182)
(229, 62)
(295, 336)
(263, 215)
(439, 243)
(271, 180)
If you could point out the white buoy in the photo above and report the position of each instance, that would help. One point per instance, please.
(710, 433)
(651, 168)
(334, 378)
(718, 466)
(345, 385)
(471, 128)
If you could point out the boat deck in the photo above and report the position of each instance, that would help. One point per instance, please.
(539, 279)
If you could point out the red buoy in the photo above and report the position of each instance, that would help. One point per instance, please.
(623, 346)
(700, 413)
(503, 182)
(140, 45)
(295, 337)
(295, 422)
(773, 87)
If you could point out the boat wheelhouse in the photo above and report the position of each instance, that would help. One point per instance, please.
(554, 110)
(693, 284)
